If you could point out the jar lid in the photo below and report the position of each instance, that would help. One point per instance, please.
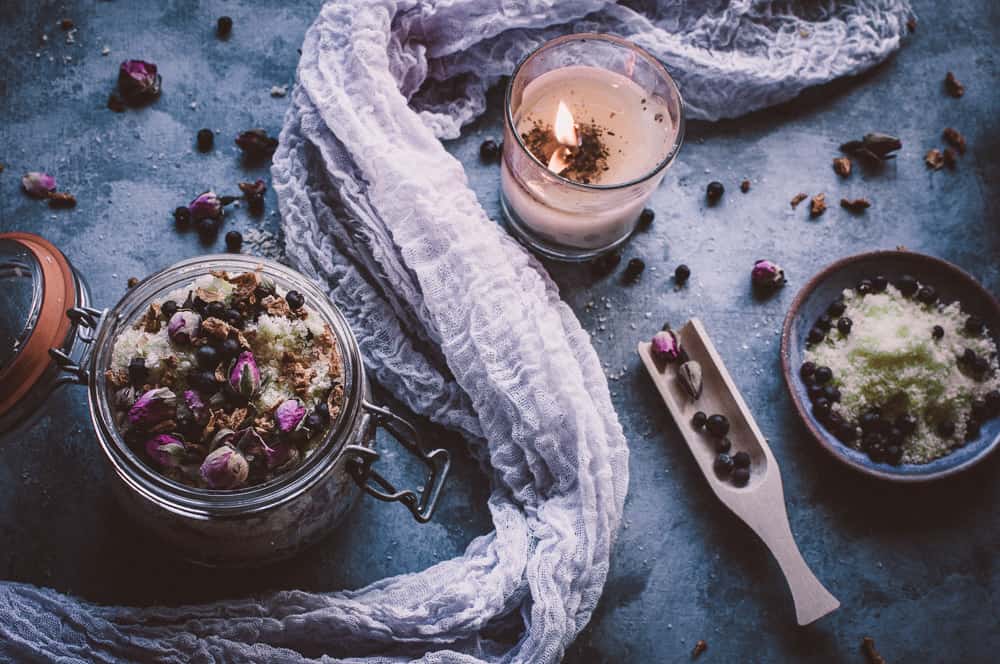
(37, 286)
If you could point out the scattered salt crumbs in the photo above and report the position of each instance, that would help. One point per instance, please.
(799, 197)
(263, 243)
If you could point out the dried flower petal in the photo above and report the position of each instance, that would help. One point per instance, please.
(855, 205)
(153, 407)
(206, 206)
(874, 146)
(166, 450)
(38, 185)
(61, 199)
(934, 159)
(289, 414)
(842, 166)
(244, 376)
(194, 403)
(799, 197)
(225, 468)
(817, 205)
(767, 274)
(255, 143)
(281, 454)
(952, 86)
(955, 138)
(184, 326)
(665, 346)
(690, 376)
(138, 80)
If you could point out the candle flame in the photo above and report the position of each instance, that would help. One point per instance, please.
(565, 127)
(567, 137)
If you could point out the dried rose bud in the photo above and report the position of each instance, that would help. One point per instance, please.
(248, 442)
(767, 274)
(184, 326)
(225, 468)
(256, 143)
(244, 376)
(222, 437)
(153, 407)
(289, 414)
(666, 347)
(253, 192)
(280, 454)
(166, 450)
(138, 80)
(194, 403)
(206, 206)
(38, 185)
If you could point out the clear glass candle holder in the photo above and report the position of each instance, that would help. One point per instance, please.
(623, 100)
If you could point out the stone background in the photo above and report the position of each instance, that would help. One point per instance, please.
(915, 567)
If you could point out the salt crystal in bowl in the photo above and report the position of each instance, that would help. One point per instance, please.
(952, 284)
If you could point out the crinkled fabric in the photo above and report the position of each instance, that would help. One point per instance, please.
(459, 322)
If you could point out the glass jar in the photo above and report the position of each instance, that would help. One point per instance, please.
(269, 521)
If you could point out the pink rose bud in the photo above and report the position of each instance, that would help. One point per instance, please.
(194, 403)
(256, 144)
(38, 185)
(244, 376)
(138, 80)
(282, 453)
(666, 347)
(225, 468)
(184, 326)
(165, 450)
(289, 414)
(206, 206)
(767, 274)
(153, 407)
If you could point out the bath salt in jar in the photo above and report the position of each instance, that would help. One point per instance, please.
(264, 460)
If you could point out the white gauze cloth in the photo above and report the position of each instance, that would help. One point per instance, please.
(459, 322)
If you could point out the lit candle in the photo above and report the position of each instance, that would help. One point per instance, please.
(585, 144)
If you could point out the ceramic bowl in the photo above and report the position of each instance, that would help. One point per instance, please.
(952, 284)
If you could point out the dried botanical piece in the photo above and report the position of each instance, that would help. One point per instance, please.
(952, 86)
(138, 81)
(934, 159)
(690, 374)
(855, 205)
(868, 648)
(911, 24)
(955, 138)
(799, 197)
(38, 185)
(842, 166)
(873, 146)
(767, 274)
(133, 281)
(699, 648)
(817, 205)
(61, 199)
(950, 158)
(745, 186)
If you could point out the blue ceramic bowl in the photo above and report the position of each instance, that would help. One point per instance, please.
(952, 284)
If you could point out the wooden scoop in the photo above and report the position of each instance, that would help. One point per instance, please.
(761, 503)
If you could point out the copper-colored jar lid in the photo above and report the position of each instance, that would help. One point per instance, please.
(36, 288)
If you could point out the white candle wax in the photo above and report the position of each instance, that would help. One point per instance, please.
(635, 127)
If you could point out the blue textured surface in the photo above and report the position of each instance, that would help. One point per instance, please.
(916, 567)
